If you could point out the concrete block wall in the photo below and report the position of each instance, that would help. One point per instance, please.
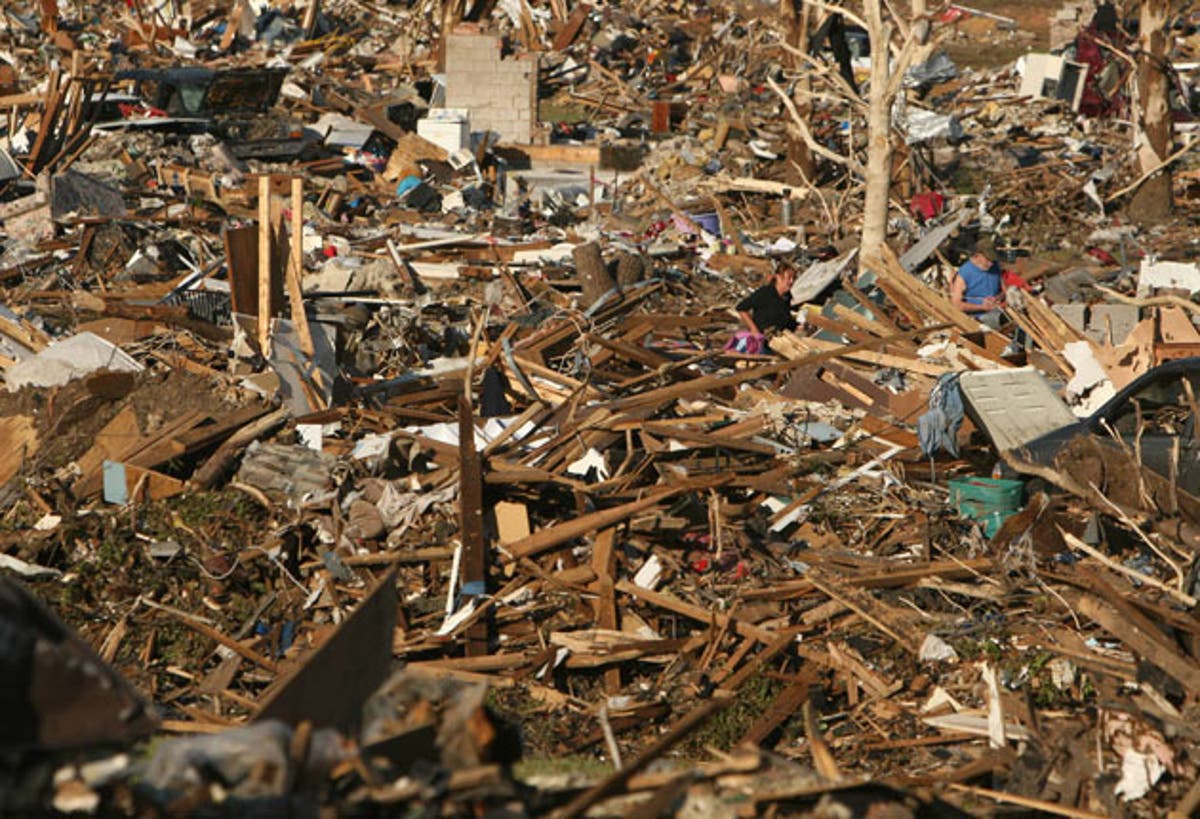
(1067, 21)
(1122, 317)
(501, 95)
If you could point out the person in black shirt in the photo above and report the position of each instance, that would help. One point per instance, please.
(769, 308)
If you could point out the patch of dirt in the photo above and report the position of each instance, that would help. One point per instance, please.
(68, 418)
(981, 42)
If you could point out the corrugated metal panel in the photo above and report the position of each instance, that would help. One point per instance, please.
(1014, 406)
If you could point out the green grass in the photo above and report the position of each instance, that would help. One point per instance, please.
(572, 765)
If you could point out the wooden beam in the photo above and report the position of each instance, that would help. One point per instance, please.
(295, 270)
(264, 265)
(698, 613)
(470, 501)
(604, 564)
(546, 539)
(778, 712)
(1153, 647)
(618, 781)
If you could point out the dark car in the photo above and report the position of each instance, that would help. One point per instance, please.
(233, 103)
(1161, 402)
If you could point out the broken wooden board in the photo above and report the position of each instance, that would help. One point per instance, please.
(332, 683)
(18, 442)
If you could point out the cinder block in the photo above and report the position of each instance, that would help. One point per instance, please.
(1122, 317)
(1074, 314)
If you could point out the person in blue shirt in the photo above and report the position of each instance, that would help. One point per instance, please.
(976, 287)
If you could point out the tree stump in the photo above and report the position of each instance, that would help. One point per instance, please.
(631, 269)
(591, 273)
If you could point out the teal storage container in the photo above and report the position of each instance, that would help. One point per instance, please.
(990, 501)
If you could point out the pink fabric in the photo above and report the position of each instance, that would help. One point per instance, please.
(744, 341)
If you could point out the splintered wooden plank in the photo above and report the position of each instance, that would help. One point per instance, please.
(792, 346)
(18, 442)
(204, 434)
(698, 613)
(117, 437)
(1149, 645)
(880, 317)
(892, 577)
(870, 325)
(264, 265)
(50, 117)
(841, 328)
(329, 689)
(1047, 344)
(823, 759)
(627, 351)
(25, 333)
(706, 383)
(546, 539)
(295, 269)
(146, 484)
(592, 648)
(883, 617)
(901, 301)
(845, 658)
(570, 29)
(909, 292)
(1062, 332)
(619, 780)
(121, 440)
(604, 563)
(470, 470)
(719, 440)
(789, 701)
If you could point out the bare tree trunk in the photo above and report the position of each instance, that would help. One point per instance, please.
(879, 135)
(631, 269)
(1152, 201)
(796, 13)
(922, 28)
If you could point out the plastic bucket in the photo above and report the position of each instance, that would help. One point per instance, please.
(990, 501)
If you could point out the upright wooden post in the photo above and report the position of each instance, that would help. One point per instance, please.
(310, 18)
(470, 499)
(604, 564)
(295, 270)
(264, 265)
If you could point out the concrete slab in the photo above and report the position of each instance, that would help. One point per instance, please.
(1121, 317)
(1073, 314)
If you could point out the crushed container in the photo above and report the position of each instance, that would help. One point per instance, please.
(989, 501)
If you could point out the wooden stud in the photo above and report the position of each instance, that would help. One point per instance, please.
(474, 564)
(264, 265)
(295, 272)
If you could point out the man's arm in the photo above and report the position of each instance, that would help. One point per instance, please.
(958, 289)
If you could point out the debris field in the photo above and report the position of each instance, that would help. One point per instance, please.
(388, 425)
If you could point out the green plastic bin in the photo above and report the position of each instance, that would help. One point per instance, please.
(990, 501)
